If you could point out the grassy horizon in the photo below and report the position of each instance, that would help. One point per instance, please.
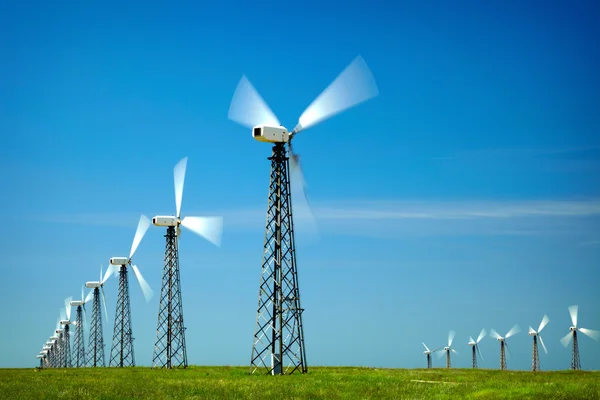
(226, 382)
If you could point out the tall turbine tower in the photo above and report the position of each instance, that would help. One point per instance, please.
(448, 349)
(78, 343)
(66, 322)
(95, 355)
(278, 345)
(428, 353)
(515, 329)
(169, 348)
(475, 348)
(121, 352)
(575, 363)
(60, 347)
(535, 359)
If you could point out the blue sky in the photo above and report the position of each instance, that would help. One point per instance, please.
(465, 196)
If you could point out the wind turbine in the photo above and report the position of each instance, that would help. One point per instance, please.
(535, 359)
(428, 353)
(169, 348)
(575, 363)
(448, 349)
(514, 330)
(475, 347)
(278, 344)
(121, 352)
(78, 342)
(95, 356)
(66, 321)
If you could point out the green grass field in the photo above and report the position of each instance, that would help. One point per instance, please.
(319, 383)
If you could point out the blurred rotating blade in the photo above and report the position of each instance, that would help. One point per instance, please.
(566, 339)
(302, 211)
(89, 296)
(142, 227)
(426, 348)
(148, 293)
(63, 316)
(454, 351)
(210, 228)
(353, 86)
(508, 354)
(109, 271)
(104, 303)
(68, 306)
(451, 337)
(543, 345)
(479, 352)
(573, 312)
(481, 335)
(544, 322)
(494, 334)
(248, 108)
(441, 354)
(179, 177)
(531, 330)
(82, 298)
(471, 339)
(515, 329)
(590, 332)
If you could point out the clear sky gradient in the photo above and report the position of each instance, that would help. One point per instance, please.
(465, 196)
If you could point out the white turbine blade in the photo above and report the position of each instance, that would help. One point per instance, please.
(441, 354)
(82, 298)
(451, 337)
(471, 339)
(544, 322)
(454, 351)
(89, 296)
(62, 316)
(494, 334)
(304, 217)
(109, 271)
(104, 304)
(426, 348)
(543, 345)
(179, 175)
(479, 352)
(148, 293)
(531, 330)
(210, 228)
(508, 353)
(566, 339)
(590, 332)
(142, 227)
(68, 306)
(248, 108)
(353, 86)
(481, 335)
(515, 329)
(573, 312)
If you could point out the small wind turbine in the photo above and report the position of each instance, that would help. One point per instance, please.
(514, 330)
(428, 353)
(96, 342)
(475, 346)
(78, 342)
(66, 321)
(575, 363)
(535, 362)
(449, 348)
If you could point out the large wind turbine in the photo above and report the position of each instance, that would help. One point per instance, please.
(428, 353)
(475, 347)
(448, 349)
(95, 356)
(514, 330)
(575, 363)
(535, 358)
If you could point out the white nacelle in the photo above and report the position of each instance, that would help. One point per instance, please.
(500, 339)
(58, 331)
(40, 356)
(472, 343)
(446, 348)
(119, 260)
(50, 343)
(54, 337)
(532, 333)
(65, 322)
(47, 348)
(92, 285)
(426, 352)
(572, 328)
(76, 303)
(271, 134)
(164, 220)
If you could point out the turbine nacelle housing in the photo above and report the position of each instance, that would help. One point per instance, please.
(65, 322)
(501, 339)
(270, 134)
(472, 343)
(119, 260)
(92, 285)
(40, 356)
(573, 328)
(165, 220)
(59, 330)
(532, 333)
(446, 348)
(76, 303)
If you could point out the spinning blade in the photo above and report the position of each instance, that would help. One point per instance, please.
(248, 108)
(566, 339)
(353, 86)
(481, 335)
(426, 348)
(515, 329)
(68, 307)
(590, 332)
(142, 227)
(210, 228)
(104, 303)
(544, 322)
(573, 312)
(451, 337)
(494, 334)
(543, 345)
(179, 177)
(531, 330)
(148, 293)
(479, 352)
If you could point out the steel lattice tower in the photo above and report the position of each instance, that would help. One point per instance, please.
(78, 345)
(169, 348)
(278, 346)
(60, 351)
(95, 356)
(428, 360)
(121, 353)
(535, 358)
(502, 356)
(67, 348)
(575, 364)
(474, 356)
